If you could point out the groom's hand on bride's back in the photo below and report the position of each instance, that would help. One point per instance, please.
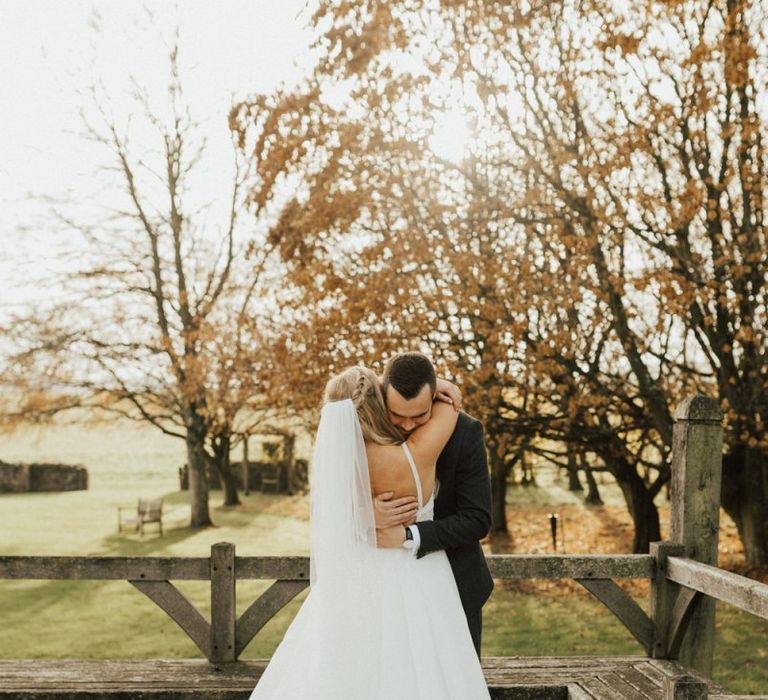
(391, 512)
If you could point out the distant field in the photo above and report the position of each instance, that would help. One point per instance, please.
(92, 619)
(123, 455)
(127, 454)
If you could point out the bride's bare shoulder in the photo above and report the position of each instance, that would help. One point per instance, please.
(389, 470)
(378, 452)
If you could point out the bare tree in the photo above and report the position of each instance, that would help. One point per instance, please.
(163, 317)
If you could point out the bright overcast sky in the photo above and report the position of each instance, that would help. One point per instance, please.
(51, 51)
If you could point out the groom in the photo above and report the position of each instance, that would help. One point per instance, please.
(463, 502)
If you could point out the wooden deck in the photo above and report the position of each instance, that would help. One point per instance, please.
(509, 678)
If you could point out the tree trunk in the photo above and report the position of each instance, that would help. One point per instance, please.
(645, 515)
(593, 497)
(224, 468)
(289, 462)
(246, 467)
(573, 471)
(498, 491)
(745, 499)
(528, 478)
(198, 473)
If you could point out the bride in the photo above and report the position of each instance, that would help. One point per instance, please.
(377, 623)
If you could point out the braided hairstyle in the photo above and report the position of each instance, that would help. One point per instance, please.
(362, 386)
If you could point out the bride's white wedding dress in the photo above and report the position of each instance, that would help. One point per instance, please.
(377, 623)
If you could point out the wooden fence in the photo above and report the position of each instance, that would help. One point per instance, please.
(685, 582)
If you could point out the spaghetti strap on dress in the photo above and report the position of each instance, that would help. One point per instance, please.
(415, 472)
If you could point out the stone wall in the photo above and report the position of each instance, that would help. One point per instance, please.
(14, 478)
(20, 478)
(298, 475)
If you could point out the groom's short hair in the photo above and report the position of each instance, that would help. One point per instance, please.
(407, 373)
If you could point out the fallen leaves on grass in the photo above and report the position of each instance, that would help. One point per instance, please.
(583, 529)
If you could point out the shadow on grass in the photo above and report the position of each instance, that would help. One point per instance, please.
(151, 544)
(88, 619)
(619, 531)
(131, 543)
(226, 518)
(31, 600)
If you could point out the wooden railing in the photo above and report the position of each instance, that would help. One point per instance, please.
(221, 639)
(684, 583)
(225, 637)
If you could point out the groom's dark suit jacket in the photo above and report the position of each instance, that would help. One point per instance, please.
(462, 512)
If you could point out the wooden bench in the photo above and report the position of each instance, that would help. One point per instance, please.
(147, 511)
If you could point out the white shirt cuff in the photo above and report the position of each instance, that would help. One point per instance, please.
(413, 545)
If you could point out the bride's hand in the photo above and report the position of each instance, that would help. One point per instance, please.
(389, 512)
(448, 392)
(390, 537)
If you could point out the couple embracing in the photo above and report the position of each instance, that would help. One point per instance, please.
(400, 497)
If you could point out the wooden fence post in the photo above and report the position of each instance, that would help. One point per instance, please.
(684, 688)
(222, 602)
(695, 518)
(663, 594)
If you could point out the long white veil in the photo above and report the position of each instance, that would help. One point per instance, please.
(342, 525)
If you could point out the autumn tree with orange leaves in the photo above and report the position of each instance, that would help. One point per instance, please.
(595, 254)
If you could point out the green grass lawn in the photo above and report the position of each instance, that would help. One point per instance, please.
(111, 619)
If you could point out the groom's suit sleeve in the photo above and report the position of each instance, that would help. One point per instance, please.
(471, 520)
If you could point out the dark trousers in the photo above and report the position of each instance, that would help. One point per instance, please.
(475, 622)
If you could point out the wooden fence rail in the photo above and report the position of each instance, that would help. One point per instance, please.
(503, 566)
(736, 590)
(225, 637)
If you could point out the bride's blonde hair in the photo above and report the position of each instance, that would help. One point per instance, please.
(362, 386)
